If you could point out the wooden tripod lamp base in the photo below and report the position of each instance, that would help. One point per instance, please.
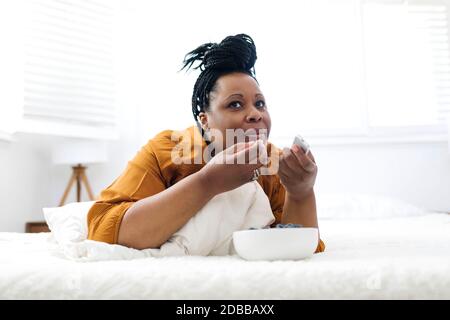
(79, 177)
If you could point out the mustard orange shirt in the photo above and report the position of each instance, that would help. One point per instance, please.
(153, 170)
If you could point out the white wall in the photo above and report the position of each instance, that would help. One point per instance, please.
(24, 184)
(29, 181)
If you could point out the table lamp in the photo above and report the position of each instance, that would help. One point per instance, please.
(78, 154)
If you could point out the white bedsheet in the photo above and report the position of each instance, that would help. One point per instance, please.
(398, 258)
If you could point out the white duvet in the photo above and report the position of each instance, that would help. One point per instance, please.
(389, 258)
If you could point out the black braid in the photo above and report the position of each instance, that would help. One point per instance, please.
(234, 54)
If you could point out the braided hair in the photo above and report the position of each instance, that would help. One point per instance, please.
(234, 54)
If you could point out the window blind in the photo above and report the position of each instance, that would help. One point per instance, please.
(68, 69)
(11, 66)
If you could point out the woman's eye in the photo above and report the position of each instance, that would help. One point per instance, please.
(235, 105)
(260, 104)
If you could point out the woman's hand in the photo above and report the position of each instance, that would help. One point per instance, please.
(297, 172)
(234, 166)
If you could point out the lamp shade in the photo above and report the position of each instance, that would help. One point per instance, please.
(79, 152)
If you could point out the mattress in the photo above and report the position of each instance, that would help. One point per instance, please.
(396, 258)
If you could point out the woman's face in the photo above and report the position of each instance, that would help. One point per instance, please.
(236, 103)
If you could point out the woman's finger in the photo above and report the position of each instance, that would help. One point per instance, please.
(311, 156)
(285, 168)
(304, 159)
(283, 176)
(255, 154)
(258, 154)
(293, 162)
(284, 172)
(237, 147)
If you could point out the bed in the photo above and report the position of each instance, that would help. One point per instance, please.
(403, 257)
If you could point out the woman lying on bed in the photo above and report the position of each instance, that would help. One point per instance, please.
(156, 195)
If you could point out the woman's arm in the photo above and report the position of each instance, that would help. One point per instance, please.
(301, 211)
(150, 222)
(298, 173)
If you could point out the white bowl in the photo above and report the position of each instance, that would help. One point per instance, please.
(276, 243)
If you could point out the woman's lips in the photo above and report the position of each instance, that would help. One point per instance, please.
(255, 134)
(256, 131)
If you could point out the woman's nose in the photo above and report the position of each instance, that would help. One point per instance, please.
(254, 116)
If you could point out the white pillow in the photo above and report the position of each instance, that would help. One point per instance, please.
(68, 223)
(364, 206)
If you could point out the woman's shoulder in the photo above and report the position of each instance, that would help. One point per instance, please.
(162, 138)
(171, 137)
(175, 151)
(164, 141)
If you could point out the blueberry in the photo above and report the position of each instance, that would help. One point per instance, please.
(288, 225)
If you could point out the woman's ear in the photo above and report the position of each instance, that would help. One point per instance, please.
(202, 116)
